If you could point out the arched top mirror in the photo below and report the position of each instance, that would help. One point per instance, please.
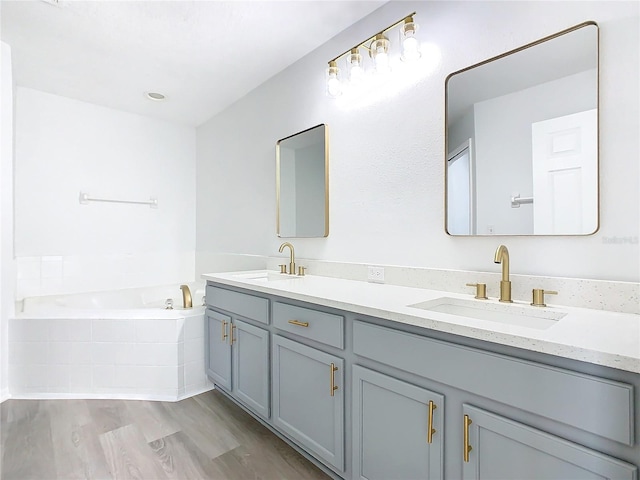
(302, 184)
(521, 140)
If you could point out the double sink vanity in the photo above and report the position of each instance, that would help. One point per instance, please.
(380, 381)
(383, 381)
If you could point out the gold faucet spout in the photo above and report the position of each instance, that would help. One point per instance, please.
(502, 256)
(187, 302)
(292, 257)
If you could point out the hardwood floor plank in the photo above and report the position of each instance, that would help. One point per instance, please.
(181, 458)
(209, 432)
(262, 449)
(153, 419)
(108, 415)
(77, 452)
(27, 452)
(129, 456)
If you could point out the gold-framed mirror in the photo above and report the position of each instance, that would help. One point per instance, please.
(521, 140)
(302, 183)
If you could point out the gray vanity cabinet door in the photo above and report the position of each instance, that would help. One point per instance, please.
(218, 349)
(303, 406)
(391, 429)
(251, 366)
(505, 449)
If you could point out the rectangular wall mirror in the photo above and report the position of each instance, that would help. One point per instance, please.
(302, 184)
(521, 136)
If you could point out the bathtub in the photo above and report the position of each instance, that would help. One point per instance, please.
(114, 344)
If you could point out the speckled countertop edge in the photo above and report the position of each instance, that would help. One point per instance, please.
(595, 336)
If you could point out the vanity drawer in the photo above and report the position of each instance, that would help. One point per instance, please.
(550, 392)
(242, 304)
(319, 326)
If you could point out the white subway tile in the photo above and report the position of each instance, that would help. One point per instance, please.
(28, 330)
(156, 331)
(80, 378)
(27, 287)
(70, 330)
(28, 268)
(51, 267)
(28, 353)
(113, 330)
(60, 353)
(51, 286)
(103, 377)
(80, 353)
(194, 350)
(194, 375)
(194, 327)
(156, 354)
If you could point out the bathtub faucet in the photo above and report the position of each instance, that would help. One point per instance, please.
(186, 296)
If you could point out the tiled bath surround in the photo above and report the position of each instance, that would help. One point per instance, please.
(57, 275)
(159, 359)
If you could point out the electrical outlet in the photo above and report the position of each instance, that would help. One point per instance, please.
(490, 229)
(376, 275)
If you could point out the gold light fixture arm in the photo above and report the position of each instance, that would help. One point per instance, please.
(373, 37)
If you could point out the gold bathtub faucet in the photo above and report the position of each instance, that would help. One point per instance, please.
(186, 296)
(502, 256)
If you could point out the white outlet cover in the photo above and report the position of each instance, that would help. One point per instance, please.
(375, 274)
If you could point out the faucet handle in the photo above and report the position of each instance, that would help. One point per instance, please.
(538, 297)
(283, 268)
(301, 271)
(481, 290)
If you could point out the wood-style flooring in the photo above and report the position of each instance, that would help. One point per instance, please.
(203, 437)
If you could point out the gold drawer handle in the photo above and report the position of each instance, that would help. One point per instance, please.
(431, 431)
(299, 323)
(224, 330)
(231, 340)
(466, 447)
(334, 387)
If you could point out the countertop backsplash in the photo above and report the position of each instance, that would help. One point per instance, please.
(623, 297)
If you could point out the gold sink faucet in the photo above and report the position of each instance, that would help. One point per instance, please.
(292, 257)
(502, 256)
(186, 296)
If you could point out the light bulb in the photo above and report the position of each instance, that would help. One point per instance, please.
(382, 62)
(354, 63)
(333, 86)
(410, 45)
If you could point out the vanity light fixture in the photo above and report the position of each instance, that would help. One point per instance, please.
(379, 47)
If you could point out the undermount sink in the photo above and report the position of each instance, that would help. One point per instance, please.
(519, 315)
(265, 276)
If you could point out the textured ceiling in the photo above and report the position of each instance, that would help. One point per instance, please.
(203, 55)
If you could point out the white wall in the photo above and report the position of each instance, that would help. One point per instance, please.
(387, 156)
(503, 144)
(65, 146)
(7, 264)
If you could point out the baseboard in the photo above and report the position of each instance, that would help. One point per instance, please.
(195, 392)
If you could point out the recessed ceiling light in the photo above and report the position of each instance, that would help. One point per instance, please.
(155, 96)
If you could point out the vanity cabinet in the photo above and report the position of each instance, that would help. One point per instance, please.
(498, 447)
(371, 399)
(397, 429)
(308, 398)
(237, 353)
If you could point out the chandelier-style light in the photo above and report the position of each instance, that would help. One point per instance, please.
(378, 46)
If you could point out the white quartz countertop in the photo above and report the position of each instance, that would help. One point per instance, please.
(603, 338)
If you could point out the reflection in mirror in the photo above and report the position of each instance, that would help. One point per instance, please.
(302, 183)
(522, 140)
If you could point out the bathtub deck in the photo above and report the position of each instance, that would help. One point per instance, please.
(206, 437)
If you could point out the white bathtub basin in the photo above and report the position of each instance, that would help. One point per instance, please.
(265, 276)
(519, 315)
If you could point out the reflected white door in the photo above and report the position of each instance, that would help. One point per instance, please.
(460, 191)
(565, 174)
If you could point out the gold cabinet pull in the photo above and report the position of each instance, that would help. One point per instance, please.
(432, 407)
(466, 447)
(299, 323)
(334, 387)
(224, 330)
(231, 340)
